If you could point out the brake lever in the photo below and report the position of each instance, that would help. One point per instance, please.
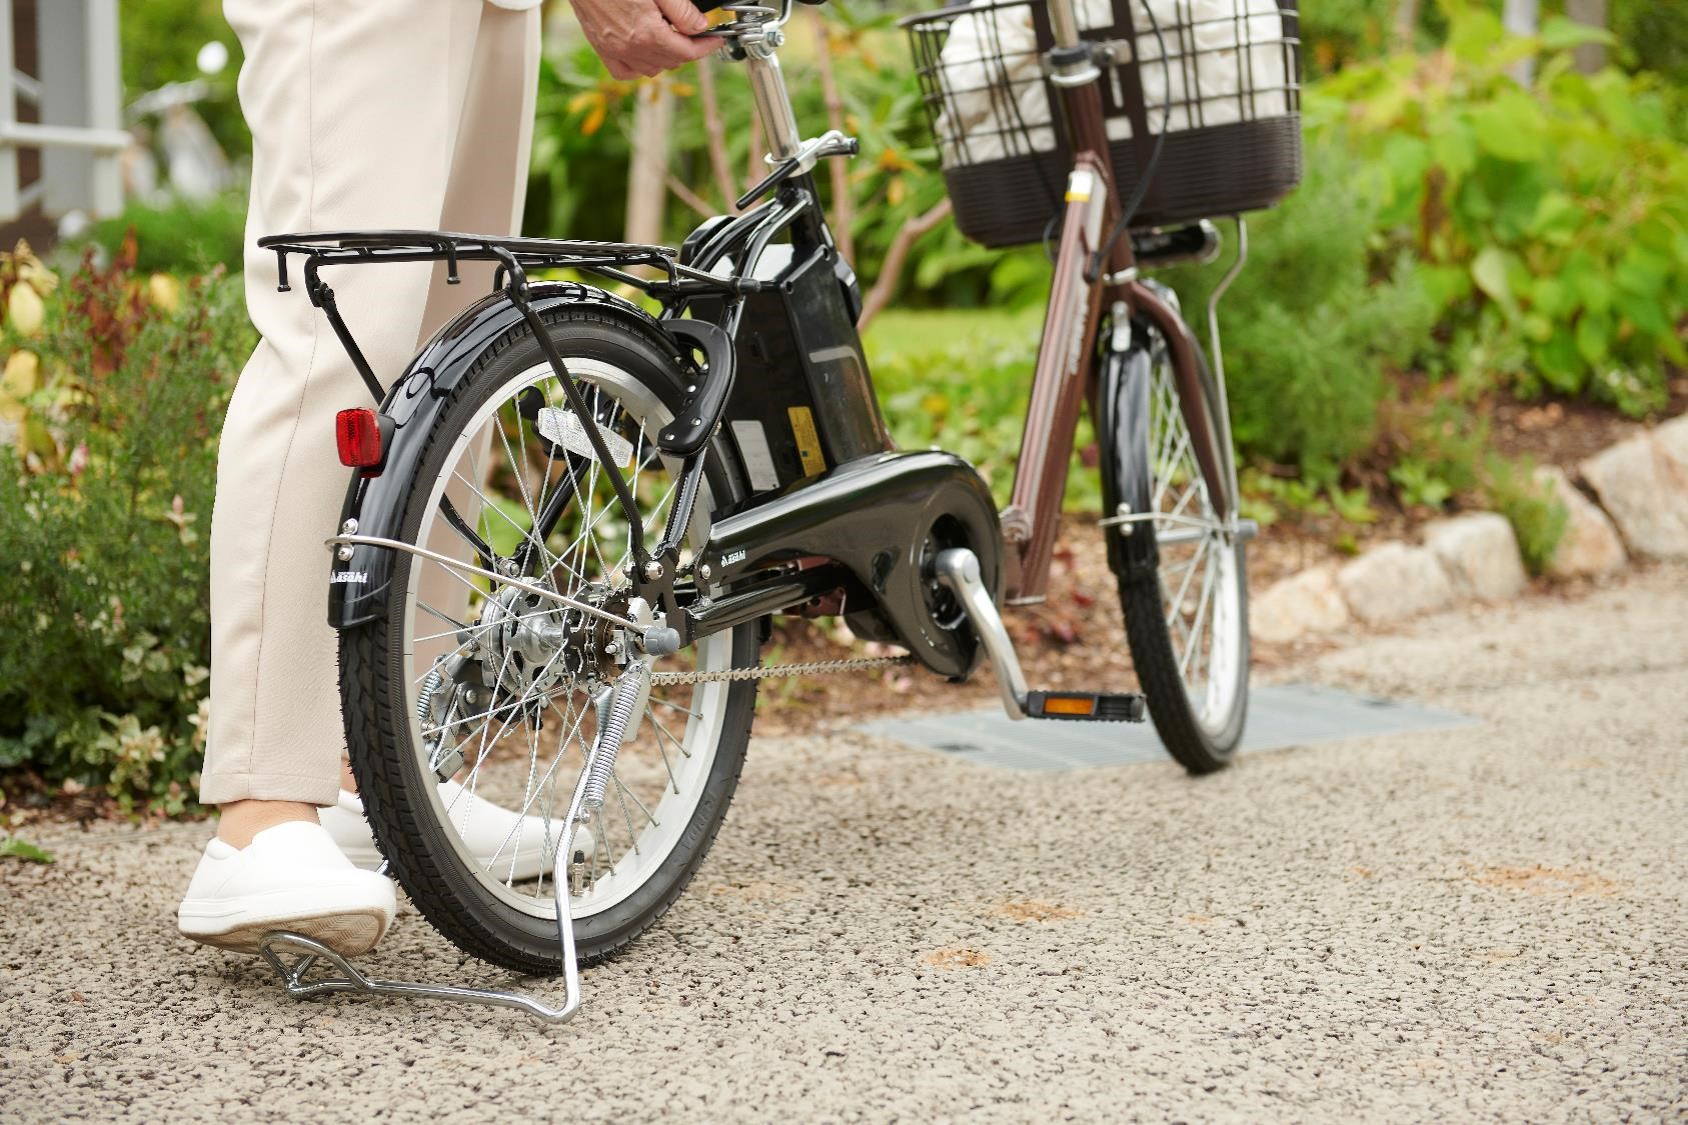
(748, 18)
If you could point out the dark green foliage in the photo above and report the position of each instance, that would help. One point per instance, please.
(1655, 34)
(180, 236)
(1308, 330)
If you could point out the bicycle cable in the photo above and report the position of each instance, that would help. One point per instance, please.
(1094, 270)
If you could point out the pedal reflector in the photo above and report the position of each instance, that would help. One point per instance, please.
(1095, 707)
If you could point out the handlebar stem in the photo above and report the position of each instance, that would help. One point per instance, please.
(1063, 22)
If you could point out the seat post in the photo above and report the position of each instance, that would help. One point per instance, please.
(773, 102)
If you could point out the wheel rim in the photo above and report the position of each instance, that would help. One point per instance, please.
(665, 761)
(1199, 575)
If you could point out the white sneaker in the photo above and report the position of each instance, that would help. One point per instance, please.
(290, 877)
(494, 834)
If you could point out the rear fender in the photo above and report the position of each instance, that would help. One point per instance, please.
(359, 585)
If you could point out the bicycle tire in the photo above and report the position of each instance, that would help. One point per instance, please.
(385, 758)
(1202, 734)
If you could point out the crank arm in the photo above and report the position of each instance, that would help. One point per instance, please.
(958, 569)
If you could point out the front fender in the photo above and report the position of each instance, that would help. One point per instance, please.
(359, 585)
(1122, 435)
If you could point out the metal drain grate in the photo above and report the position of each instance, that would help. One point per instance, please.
(1280, 716)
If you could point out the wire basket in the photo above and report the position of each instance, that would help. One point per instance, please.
(1226, 92)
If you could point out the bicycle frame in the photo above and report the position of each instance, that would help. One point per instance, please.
(780, 550)
(1066, 372)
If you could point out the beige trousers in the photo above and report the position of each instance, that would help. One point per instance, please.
(364, 113)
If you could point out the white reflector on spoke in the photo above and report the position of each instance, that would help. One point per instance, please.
(564, 428)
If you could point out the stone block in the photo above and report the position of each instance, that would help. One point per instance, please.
(1591, 546)
(1645, 491)
(1394, 582)
(1303, 603)
(1480, 553)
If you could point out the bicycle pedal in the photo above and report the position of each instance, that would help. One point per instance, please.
(1083, 706)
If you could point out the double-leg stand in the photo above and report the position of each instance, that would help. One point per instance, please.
(617, 705)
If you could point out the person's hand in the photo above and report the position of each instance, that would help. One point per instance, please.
(643, 37)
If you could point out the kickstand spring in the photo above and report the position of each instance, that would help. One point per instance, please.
(621, 701)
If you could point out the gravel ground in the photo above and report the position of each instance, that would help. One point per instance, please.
(1478, 924)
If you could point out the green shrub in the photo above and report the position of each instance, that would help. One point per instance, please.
(179, 236)
(1308, 331)
(1538, 518)
(107, 471)
(1552, 222)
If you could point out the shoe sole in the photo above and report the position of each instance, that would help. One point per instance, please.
(348, 934)
(341, 917)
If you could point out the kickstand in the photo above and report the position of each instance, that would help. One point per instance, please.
(626, 696)
(277, 944)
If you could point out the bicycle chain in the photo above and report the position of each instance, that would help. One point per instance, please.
(766, 672)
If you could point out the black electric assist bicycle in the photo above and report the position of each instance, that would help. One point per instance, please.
(571, 521)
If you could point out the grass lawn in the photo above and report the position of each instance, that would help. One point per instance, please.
(959, 379)
(897, 333)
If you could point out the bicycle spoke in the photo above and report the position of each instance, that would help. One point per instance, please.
(530, 733)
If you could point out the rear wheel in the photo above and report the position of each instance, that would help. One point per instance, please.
(491, 690)
(1182, 574)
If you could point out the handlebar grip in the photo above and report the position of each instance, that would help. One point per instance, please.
(711, 5)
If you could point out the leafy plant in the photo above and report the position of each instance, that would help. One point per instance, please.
(23, 849)
(113, 400)
(1313, 322)
(179, 236)
(1537, 516)
(1552, 222)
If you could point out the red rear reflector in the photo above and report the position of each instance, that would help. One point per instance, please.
(1069, 705)
(358, 434)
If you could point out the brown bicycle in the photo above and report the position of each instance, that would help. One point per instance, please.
(572, 517)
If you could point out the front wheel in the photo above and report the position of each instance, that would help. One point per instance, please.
(1182, 576)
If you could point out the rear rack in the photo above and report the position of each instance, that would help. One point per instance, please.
(515, 257)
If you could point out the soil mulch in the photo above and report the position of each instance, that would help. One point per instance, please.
(1074, 641)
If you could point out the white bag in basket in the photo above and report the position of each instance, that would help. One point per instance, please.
(1226, 63)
